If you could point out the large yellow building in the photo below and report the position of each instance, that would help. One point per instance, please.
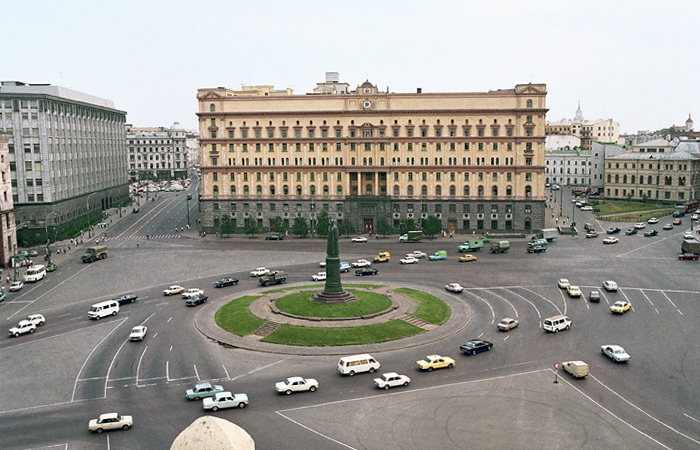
(474, 160)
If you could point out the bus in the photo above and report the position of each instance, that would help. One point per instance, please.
(578, 190)
(34, 273)
(683, 208)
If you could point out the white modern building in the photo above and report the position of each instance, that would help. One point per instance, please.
(67, 155)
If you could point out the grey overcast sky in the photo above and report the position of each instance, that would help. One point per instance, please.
(633, 61)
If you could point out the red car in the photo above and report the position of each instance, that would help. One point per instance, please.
(692, 256)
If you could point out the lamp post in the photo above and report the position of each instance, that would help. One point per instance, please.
(87, 205)
(188, 198)
(46, 233)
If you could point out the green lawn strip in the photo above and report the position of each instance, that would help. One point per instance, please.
(430, 308)
(620, 207)
(328, 337)
(317, 286)
(639, 217)
(300, 304)
(235, 317)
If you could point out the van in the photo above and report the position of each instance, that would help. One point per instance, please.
(556, 323)
(103, 309)
(350, 365)
(34, 273)
(577, 369)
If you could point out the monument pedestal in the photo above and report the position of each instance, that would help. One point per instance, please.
(333, 291)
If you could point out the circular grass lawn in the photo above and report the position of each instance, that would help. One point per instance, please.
(300, 304)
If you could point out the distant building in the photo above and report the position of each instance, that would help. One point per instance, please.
(67, 154)
(658, 170)
(568, 166)
(8, 235)
(589, 131)
(157, 153)
(599, 153)
(473, 160)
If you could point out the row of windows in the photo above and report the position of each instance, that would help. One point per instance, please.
(370, 176)
(298, 147)
(668, 195)
(650, 166)
(667, 181)
(396, 207)
(272, 190)
(438, 161)
(568, 162)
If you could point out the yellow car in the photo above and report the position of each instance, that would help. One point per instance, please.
(467, 258)
(573, 291)
(620, 307)
(435, 362)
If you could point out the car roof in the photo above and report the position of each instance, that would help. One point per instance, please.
(295, 379)
(202, 385)
(390, 374)
(109, 416)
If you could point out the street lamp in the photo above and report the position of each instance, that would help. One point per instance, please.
(87, 205)
(46, 233)
(188, 198)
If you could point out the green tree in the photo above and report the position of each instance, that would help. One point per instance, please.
(346, 227)
(406, 225)
(251, 226)
(277, 225)
(323, 223)
(300, 228)
(383, 226)
(432, 226)
(227, 225)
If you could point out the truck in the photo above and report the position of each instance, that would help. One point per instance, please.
(273, 278)
(471, 246)
(442, 254)
(411, 236)
(577, 369)
(690, 246)
(382, 257)
(500, 247)
(94, 253)
(548, 233)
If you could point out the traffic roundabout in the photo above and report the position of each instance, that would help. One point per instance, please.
(286, 321)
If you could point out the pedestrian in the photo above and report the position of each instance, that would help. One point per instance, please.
(182, 229)
(137, 244)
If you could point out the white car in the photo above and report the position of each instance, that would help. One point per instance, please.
(610, 285)
(563, 283)
(653, 220)
(24, 326)
(391, 379)
(587, 208)
(322, 264)
(173, 290)
(640, 225)
(360, 239)
(224, 400)
(191, 293)
(321, 276)
(688, 235)
(260, 271)
(615, 352)
(16, 286)
(454, 287)
(361, 263)
(296, 384)
(408, 260)
(36, 319)
(418, 254)
(110, 421)
(138, 333)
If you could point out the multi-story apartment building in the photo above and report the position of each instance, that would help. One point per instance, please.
(659, 170)
(8, 237)
(157, 153)
(568, 166)
(474, 160)
(599, 153)
(67, 153)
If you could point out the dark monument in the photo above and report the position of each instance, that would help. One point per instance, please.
(333, 291)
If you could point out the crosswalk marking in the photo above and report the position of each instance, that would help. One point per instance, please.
(143, 238)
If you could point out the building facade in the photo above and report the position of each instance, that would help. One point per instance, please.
(67, 153)
(571, 167)
(474, 160)
(157, 153)
(8, 235)
(658, 170)
(589, 131)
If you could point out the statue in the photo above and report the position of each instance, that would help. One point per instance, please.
(333, 291)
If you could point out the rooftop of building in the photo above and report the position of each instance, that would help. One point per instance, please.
(19, 88)
(677, 155)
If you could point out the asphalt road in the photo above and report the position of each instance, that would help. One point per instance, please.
(72, 369)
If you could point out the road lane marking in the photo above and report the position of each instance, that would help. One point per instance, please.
(531, 304)
(493, 314)
(649, 300)
(544, 298)
(260, 368)
(671, 302)
(504, 299)
(196, 373)
(138, 367)
(75, 385)
(228, 377)
(167, 369)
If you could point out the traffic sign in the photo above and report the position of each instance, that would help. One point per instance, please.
(556, 366)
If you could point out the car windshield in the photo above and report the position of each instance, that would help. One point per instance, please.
(470, 345)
